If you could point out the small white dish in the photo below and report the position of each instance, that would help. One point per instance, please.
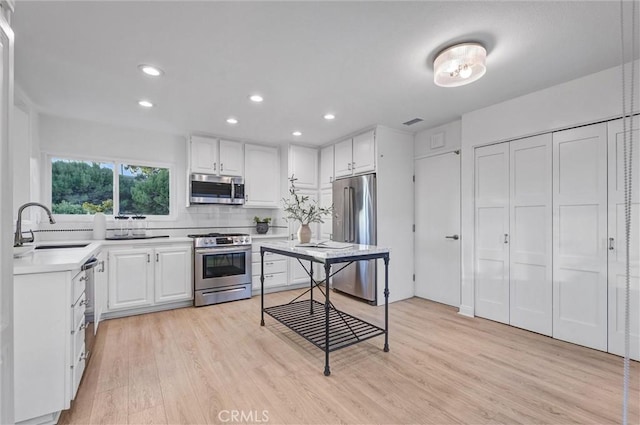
(19, 251)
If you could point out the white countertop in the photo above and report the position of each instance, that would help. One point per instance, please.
(56, 260)
(353, 250)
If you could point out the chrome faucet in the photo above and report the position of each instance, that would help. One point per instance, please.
(18, 240)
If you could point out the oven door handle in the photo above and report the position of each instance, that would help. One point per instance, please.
(238, 248)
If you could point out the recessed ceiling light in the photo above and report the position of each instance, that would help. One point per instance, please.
(329, 116)
(297, 133)
(145, 103)
(232, 121)
(256, 98)
(151, 70)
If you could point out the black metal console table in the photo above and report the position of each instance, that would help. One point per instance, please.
(334, 329)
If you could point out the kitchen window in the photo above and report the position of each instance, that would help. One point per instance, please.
(86, 187)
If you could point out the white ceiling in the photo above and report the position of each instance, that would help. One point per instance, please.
(367, 62)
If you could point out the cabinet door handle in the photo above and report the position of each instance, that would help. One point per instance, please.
(268, 264)
(102, 267)
(506, 238)
(611, 244)
(353, 165)
(221, 166)
(330, 179)
(454, 237)
(157, 257)
(348, 166)
(214, 166)
(148, 258)
(246, 198)
(84, 302)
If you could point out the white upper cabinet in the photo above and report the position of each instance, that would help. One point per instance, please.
(210, 156)
(355, 156)
(364, 156)
(231, 160)
(342, 158)
(326, 167)
(262, 176)
(204, 155)
(303, 165)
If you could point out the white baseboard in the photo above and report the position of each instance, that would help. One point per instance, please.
(466, 310)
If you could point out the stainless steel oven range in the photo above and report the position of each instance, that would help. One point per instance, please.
(221, 268)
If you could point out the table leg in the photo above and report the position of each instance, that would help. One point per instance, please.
(311, 279)
(386, 303)
(261, 287)
(327, 371)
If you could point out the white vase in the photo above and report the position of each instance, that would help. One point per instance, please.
(304, 233)
(99, 226)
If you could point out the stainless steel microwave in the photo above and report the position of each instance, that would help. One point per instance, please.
(210, 189)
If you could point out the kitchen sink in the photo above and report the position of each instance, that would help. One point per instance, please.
(62, 246)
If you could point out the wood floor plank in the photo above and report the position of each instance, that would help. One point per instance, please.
(198, 365)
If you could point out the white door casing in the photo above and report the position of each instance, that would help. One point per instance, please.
(617, 246)
(491, 271)
(437, 215)
(580, 236)
(530, 287)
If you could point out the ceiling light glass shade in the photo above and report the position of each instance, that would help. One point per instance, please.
(459, 65)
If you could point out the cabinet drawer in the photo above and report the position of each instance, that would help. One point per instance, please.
(78, 284)
(270, 266)
(78, 311)
(270, 280)
(77, 340)
(79, 363)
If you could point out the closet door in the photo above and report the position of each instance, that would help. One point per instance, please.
(530, 288)
(580, 236)
(617, 248)
(492, 232)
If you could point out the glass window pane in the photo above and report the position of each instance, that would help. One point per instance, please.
(143, 190)
(81, 187)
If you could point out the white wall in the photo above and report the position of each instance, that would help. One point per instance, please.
(65, 136)
(450, 134)
(596, 97)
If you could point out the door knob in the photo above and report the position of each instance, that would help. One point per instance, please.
(454, 237)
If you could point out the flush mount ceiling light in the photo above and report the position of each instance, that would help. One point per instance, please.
(232, 121)
(297, 133)
(256, 98)
(459, 65)
(329, 117)
(145, 104)
(150, 70)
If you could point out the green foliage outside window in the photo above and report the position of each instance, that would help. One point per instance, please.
(83, 187)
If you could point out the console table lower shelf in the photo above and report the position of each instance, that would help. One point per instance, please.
(307, 319)
(322, 324)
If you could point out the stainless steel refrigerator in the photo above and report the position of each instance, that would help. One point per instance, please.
(354, 207)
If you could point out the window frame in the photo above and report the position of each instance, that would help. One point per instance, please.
(47, 183)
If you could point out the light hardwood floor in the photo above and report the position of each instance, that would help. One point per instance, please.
(198, 365)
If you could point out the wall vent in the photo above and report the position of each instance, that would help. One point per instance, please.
(413, 121)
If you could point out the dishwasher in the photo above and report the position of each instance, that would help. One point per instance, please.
(89, 335)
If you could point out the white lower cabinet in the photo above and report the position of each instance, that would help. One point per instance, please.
(172, 274)
(49, 350)
(146, 276)
(275, 267)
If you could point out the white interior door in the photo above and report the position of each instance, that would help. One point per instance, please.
(530, 288)
(437, 252)
(580, 236)
(491, 274)
(617, 246)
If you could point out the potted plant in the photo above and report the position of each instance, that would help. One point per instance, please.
(304, 210)
(262, 224)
